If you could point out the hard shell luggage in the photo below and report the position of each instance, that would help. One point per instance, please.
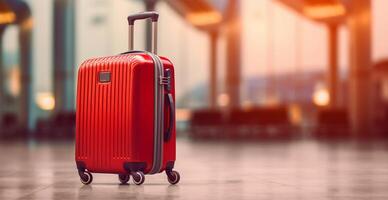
(125, 115)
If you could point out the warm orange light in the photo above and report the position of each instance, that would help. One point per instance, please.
(324, 11)
(27, 24)
(45, 100)
(7, 17)
(223, 100)
(14, 81)
(247, 104)
(183, 114)
(296, 116)
(204, 18)
(321, 97)
(272, 100)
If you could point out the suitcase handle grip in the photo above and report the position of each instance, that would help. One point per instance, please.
(168, 133)
(154, 16)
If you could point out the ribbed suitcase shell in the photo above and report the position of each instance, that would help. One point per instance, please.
(115, 120)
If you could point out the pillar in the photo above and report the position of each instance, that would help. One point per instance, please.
(233, 60)
(26, 97)
(213, 69)
(332, 75)
(2, 78)
(360, 94)
(64, 51)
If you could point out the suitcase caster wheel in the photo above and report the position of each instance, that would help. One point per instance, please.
(138, 178)
(173, 177)
(124, 178)
(86, 178)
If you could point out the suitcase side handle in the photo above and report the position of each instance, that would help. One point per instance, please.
(168, 133)
(171, 105)
(154, 16)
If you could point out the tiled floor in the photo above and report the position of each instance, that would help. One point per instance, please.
(304, 169)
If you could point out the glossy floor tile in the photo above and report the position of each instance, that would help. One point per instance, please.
(304, 169)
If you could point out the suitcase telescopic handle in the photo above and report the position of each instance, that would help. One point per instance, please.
(154, 16)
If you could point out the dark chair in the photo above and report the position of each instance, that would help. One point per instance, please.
(333, 123)
(206, 123)
(59, 126)
(10, 127)
(261, 122)
(65, 124)
(9, 119)
(242, 123)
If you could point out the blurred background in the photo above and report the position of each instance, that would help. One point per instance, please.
(263, 67)
(246, 70)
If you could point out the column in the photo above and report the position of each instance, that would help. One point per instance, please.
(213, 69)
(233, 60)
(64, 60)
(2, 28)
(360, 94)
(332, 75)
(26, 95)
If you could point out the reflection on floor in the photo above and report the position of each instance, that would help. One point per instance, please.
(302, 169)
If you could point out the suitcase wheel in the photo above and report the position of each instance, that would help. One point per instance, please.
(124, 178)
(86, 178)
(138, 177)
(173, 177)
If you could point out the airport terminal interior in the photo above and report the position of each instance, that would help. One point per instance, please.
(275, 99)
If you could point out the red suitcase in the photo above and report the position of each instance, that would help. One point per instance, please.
(126, 114)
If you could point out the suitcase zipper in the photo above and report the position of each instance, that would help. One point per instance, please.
(158, 117)
(158, 112)
(161, 113)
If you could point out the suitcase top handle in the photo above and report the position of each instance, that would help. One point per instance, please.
(154, 16)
